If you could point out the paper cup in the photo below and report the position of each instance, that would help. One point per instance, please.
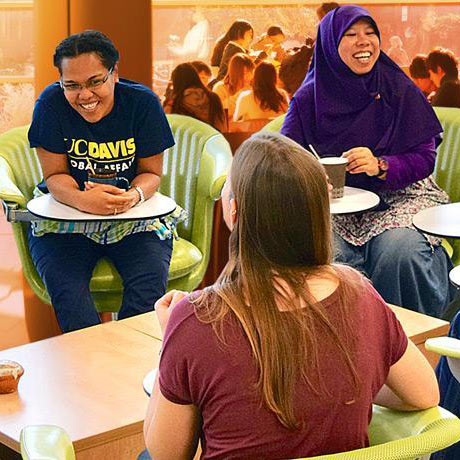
(335, 169)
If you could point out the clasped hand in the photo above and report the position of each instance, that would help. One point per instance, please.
(107, 199)
(165, 305)
(361, 160)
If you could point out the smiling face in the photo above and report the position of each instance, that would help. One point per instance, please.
(359, 47)
(94, 104)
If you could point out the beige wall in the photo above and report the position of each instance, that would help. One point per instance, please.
(129, 28)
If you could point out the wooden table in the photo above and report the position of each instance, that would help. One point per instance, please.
(417, 326)
(89, 382)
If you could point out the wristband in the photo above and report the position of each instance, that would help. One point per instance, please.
(141, 194)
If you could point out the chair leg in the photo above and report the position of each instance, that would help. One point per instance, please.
(41, 322)
(106, 316)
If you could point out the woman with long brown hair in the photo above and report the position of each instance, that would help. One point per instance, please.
(239, 78)
(190, 97)
(264, 100)
(284, 355)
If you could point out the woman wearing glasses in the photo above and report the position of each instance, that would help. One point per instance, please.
(93, 119)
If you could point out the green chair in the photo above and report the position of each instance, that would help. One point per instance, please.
(275, 125)
(393, 436)
(194, 171)
(45, 442)
(447, 169)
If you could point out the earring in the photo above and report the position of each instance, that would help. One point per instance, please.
(234, 212)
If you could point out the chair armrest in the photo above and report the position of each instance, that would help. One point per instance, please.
(45, 442)
(9, 192)
(389, 425)
(219, 150)
(445, 346)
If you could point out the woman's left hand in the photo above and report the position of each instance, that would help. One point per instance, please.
(361, 160)
(165, 305)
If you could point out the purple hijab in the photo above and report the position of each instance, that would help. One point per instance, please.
(336, 109)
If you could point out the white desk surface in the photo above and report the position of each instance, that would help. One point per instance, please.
(48, 208)
(443, 220)
(354, 200)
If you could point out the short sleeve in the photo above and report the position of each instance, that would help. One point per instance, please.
(393, 338)
(153, 133)
(45, 130)
(174, 370)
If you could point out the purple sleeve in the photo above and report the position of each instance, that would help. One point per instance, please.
(403, 169)
(292, 125)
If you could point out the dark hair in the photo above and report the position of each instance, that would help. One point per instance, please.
(294, 67)
(235, 31)
(417, 68)
(444, 58)
(324, 8)
(185, 76)
(89, 41)
(274, 30)
(201, 66)
(265, 90)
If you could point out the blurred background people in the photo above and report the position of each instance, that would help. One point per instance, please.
(264, 100)
(294, 67)
(203, 70)
(420, 75)
(443, 68)
(239, 78)
(196, 40)
(397, 53)
(231, 34)
(271, 43)
(324, 8)
(240, 39)
(190, 97)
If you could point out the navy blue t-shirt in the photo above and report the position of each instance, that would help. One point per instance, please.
(136, 127)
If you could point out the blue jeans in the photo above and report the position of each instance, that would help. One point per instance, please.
(66, 262)
(404, 268)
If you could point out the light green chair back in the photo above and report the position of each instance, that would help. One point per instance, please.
(447, 170)
(393, 435)
(194, 172)
(45, 442)
(275, 125)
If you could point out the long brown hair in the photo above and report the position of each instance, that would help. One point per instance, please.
(265, 90)
(281, 238)
(235, 73)
(185, 76)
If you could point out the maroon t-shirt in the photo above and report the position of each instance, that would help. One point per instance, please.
(196, 368)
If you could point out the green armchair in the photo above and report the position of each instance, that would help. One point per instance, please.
(393, 436)
(194, 171)
(447, 168)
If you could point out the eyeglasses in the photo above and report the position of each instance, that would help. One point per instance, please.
(90, 84)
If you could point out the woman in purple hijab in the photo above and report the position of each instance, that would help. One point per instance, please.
(356, 102)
